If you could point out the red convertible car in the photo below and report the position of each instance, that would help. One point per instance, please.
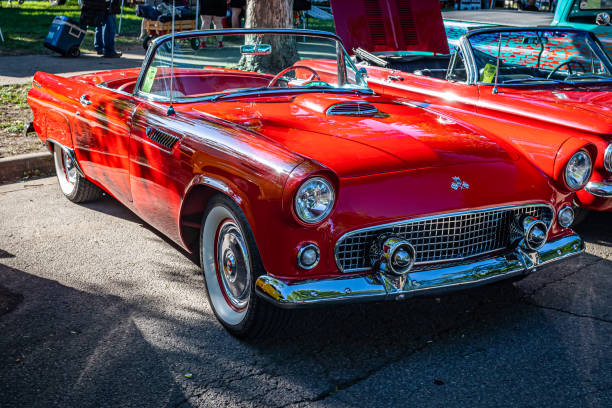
(545, 90)
(296, 189)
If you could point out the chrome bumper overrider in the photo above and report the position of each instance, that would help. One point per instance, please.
(374, 286)
(599, 189)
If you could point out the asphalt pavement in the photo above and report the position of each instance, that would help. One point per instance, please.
(98, 309)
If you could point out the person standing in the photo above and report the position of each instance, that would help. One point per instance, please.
(213, 10)
(104, 42)
(237, 6)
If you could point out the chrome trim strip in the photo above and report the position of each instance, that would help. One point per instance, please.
(70, 153)
(413, 220)
(599, 189)
(375, 286)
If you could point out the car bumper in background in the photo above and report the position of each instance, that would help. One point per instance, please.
(374, 286)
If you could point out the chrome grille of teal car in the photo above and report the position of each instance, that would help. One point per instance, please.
(442, 238)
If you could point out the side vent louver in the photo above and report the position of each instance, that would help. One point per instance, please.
(352, 109)
(162, 138)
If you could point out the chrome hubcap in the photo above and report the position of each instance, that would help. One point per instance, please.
(233, 265)
(69, 168)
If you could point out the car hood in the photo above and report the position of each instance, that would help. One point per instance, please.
(399, 137)
(586, 108)
(390, 25)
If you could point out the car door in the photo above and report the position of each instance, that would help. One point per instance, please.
(103, 138)
(160, 167)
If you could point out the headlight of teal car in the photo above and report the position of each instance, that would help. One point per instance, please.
(314, 200)
(578, 170)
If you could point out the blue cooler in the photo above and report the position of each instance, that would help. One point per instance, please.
(65, 36)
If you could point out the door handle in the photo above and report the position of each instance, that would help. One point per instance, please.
(395, 78)
(85, 100)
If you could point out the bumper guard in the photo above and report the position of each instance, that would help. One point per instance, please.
(376, 286)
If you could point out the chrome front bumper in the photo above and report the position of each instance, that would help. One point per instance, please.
(374, 286)
(599, 189)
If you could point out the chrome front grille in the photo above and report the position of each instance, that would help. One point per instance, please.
(441, 238)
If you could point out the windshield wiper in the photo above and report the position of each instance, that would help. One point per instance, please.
(532, 79)
(371, 58)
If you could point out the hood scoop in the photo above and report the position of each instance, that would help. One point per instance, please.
(352, 109)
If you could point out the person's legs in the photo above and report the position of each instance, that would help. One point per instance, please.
(206, 22)
(98, 41)
(236, 17)
(110, 30)
(218, 23)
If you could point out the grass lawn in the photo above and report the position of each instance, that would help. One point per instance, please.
(25, 26)
(15, 115)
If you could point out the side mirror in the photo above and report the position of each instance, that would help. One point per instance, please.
(259, 49)
(363, 72)
(603, 19)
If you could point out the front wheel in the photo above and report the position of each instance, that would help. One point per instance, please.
(74, 186)
(231, 264)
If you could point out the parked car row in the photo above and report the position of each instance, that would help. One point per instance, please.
(303, 175)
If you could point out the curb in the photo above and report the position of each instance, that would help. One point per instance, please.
(15, 167)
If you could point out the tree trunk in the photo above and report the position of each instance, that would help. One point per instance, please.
(270, 14)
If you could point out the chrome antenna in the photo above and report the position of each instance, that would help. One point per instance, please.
(170, 108)
(497, 67)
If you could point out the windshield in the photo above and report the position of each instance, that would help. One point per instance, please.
(538, 55)
(245, 62)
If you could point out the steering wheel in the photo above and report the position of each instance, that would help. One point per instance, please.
(278, 76)
(569, 67)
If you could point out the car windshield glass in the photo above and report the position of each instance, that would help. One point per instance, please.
(246, 62)
(537, 55)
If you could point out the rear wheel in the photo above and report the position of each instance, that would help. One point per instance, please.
(73, 52)
(74, 186)
(195, 44)
(146, 41)
(231, 264)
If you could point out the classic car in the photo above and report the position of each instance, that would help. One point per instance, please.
(545, 90)
(590, 15)
(296, 189)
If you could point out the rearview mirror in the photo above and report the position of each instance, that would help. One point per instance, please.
(259, 49)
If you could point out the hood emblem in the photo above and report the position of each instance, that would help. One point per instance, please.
(457, 184)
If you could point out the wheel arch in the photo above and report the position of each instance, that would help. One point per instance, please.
(197, 194)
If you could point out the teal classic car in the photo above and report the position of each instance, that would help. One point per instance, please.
(590, 15)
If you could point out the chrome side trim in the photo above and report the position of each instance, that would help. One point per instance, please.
(431, 217)
(70, 153)
(375, 286)
(599, 189)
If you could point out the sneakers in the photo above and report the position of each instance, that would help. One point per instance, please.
(116, 54)
(203, 44)
(100, 52)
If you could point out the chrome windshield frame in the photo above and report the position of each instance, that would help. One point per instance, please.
(591, 40)
(155, 43)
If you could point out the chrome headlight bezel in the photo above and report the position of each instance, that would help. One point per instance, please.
(570, 179)
(301, 210)
(608, 158)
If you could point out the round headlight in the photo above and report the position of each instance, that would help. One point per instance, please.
(578, 170)
(608, 158)
(566, 217)
(314, 200)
